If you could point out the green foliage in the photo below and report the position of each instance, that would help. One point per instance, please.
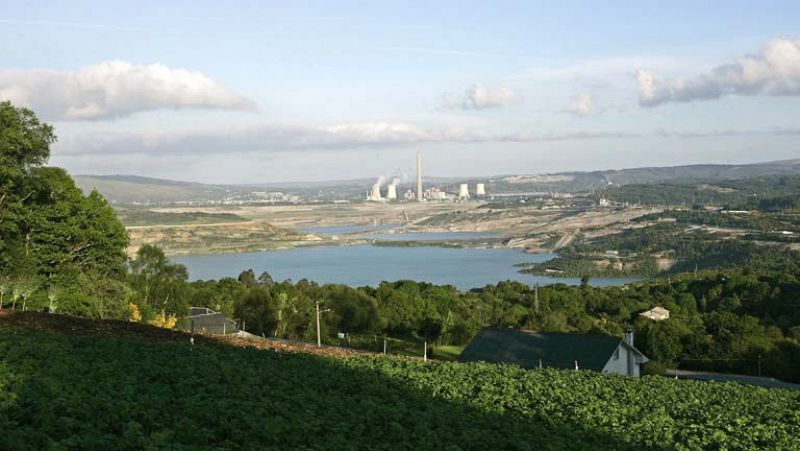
(89, 392)
(691, 248)
(160, 285)
(59, 249)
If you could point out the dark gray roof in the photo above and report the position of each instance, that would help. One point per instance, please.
(525, 348)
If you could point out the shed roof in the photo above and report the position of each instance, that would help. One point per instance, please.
(525, 348)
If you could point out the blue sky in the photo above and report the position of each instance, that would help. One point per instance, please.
(265, 92)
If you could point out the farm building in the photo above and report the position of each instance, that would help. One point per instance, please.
(656, 314)
(206, 321)
(574, 351)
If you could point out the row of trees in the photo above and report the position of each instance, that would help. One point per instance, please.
(720, 321)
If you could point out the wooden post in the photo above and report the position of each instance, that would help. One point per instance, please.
(384, 345)
(191, 328)
(425, 352)
(319, 336)
(536, 298)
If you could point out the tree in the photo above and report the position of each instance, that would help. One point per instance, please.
(161, 284)
(24, 144)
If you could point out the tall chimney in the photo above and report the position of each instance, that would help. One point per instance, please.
(629, 337)
(419, 176)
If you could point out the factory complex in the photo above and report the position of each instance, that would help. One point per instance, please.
(421, 194)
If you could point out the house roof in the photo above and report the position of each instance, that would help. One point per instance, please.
(525, 348)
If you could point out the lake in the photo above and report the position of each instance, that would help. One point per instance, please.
(346, 229)
(361, 265)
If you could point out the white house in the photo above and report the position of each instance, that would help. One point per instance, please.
(656, 314)
(529, 349)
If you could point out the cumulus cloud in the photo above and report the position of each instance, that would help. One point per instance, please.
(774, 70)
(581, 105)
(478, 97)
(286, 138)
(114, 89)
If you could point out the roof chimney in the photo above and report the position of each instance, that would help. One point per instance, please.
(629, 337)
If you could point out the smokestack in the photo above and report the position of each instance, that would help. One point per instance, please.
(480, 189)
(463, 191)
(419, 176)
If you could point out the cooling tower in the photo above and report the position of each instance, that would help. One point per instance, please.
(376, 191)
(463, 191)
(391, 191)
(480, 189)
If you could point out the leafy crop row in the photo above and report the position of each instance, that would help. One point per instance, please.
(88, 392)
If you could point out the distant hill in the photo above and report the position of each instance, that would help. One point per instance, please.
(580, 181)
(127, 189)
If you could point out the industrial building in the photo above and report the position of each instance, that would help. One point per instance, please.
(421, 194)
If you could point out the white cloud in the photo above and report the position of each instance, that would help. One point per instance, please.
(581, 105)
(267, 138)
(775, 71)
(114, 89)
(478, 97)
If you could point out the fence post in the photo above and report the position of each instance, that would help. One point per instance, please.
(425, 352)
(576, 365)
(384, 345)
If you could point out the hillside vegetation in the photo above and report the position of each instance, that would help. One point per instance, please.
(69, 388)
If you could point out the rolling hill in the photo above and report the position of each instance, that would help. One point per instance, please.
(127, 189)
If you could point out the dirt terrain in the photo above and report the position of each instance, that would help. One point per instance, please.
(70, 325)
(278, 227)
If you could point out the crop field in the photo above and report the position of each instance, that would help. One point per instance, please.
(114, 386)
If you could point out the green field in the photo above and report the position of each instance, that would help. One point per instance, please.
(79, 384)
(150, 218)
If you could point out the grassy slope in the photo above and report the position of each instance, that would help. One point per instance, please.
(151, 218)
(71, 383)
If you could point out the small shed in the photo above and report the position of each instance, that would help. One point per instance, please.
(656, 314)
(530, 349)
(205, 320)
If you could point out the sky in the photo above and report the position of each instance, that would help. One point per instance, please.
(265, 92)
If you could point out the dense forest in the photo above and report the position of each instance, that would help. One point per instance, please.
(767, 193)
(63, 251)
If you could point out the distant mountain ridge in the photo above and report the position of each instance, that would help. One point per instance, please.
(132, 189)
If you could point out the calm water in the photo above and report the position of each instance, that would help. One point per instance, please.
(431, 236)
(369, 265)
(339, 230)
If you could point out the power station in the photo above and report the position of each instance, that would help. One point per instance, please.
(433, 193)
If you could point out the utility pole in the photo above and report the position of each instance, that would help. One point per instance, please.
(319, 336)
